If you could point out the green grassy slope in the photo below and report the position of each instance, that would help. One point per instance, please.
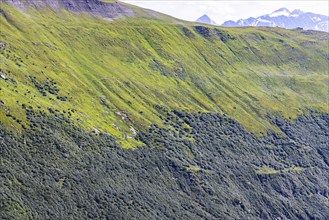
(66, 76)
(110, 75)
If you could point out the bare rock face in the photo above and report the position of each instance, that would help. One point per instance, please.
(94, 7)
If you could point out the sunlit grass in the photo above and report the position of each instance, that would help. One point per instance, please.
(114, 73)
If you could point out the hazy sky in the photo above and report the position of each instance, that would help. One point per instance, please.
(221, 11)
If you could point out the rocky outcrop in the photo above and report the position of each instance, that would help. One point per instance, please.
(94, 7)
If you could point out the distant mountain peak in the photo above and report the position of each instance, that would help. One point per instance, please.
(205, 16)
(297, 11)
(282, 9)
(286, 19)
(206, 20)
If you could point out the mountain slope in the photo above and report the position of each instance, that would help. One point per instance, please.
(112, 74)
(286, 19)
(98, 8)
(224, 123)
(225, 172)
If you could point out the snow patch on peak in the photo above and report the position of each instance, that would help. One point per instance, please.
(263, 20)
(280, 12)
(241, 22)
(286, 19)
(294, 15)
(316, 19)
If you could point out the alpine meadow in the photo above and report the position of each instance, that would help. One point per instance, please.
(111, 111)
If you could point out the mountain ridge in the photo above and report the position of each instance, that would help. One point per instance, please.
(111, 9)
(107, 9)
(285, 19)
(149, 117)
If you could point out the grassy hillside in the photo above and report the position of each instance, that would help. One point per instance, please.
(232, 123)
(110, 76)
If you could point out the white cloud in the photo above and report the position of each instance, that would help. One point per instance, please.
(221, 11)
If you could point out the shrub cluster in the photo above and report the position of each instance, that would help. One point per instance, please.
(198, 166)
